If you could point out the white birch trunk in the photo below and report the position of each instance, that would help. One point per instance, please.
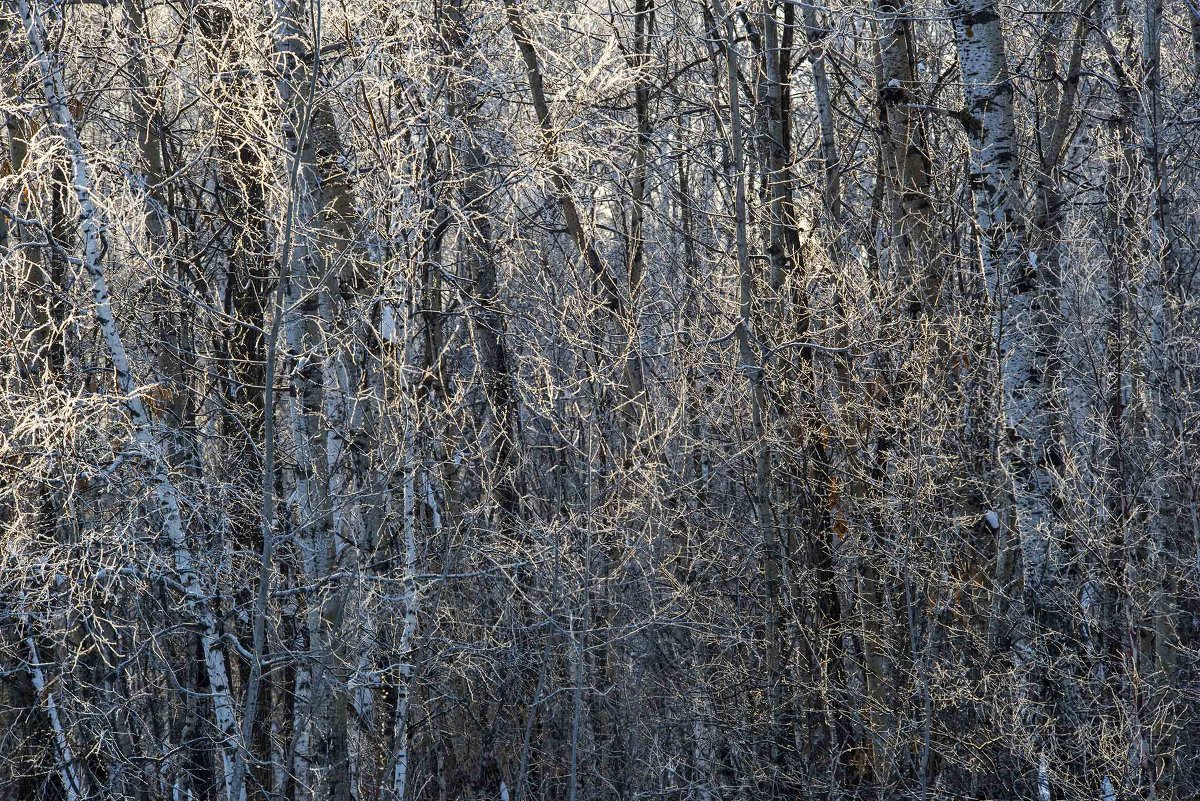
(68, 771)
(1011, 273)
(1025, 299)
(411, 599)
(319, 415)
(164, 491)
(301, 768)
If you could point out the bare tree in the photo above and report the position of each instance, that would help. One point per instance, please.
(653, 399)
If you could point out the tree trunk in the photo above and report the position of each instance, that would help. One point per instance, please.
(159, 476)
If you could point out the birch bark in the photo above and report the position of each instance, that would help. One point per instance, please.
(1026, 308)
(411, 601)
(165, 492)
(69, 773)
(1014, 277)
(323, 276)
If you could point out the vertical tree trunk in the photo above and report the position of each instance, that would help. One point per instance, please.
(148, 123)
(906, 159)
(487, 321)
(322, 274)
(751, 366)
(1014, 278)
(1026, 305)
(411, 602)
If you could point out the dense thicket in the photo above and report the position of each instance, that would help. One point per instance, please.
(685, 399)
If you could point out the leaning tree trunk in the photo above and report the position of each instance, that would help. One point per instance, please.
(169, 506)
(70, 772)
(632, 401)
